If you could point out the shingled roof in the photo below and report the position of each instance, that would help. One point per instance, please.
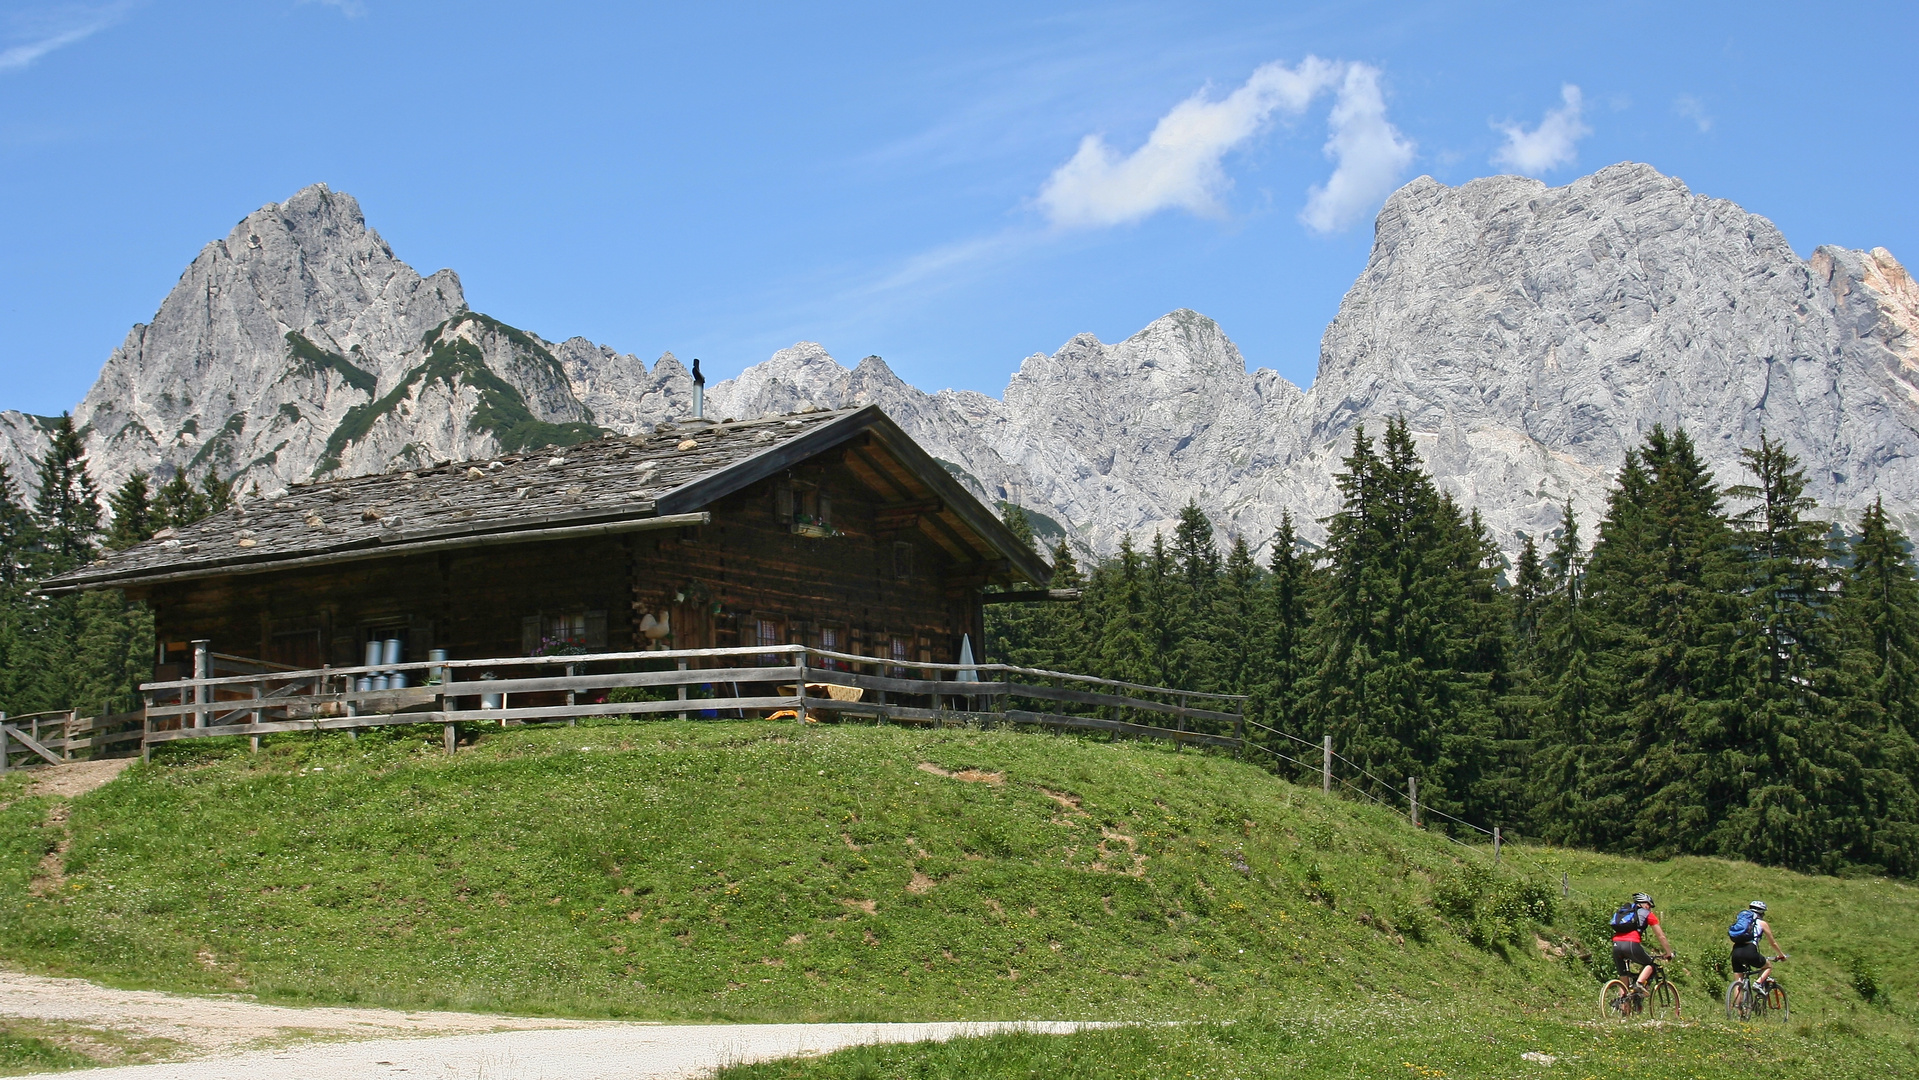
(609, 485)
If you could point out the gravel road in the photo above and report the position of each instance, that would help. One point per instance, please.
(602, 1052)
(232, 1038)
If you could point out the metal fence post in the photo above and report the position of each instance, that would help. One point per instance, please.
(1326, 765)
(1412, 798)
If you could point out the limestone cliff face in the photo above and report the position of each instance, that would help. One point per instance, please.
(1530, 334)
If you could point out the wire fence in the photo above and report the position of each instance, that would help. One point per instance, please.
(1520, 855)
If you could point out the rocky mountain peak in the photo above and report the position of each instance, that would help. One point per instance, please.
(1530, 334)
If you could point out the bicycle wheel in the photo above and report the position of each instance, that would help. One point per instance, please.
(1776, 1007)
(1738, 1001)
(1615, 1001)
(1664, 1004)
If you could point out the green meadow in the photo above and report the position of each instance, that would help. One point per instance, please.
(774, 872)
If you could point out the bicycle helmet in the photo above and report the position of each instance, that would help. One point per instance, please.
(1642, 898)
(1758, 906)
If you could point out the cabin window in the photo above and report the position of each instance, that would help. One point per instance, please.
(548, 633)
(900, 650)
(804, 509)
(833, 639)
(902, 560)
(767, 633)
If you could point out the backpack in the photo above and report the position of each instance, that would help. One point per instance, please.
(1627, 919)
(1744, 929)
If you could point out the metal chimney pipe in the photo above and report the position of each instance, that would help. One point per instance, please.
(699, 391)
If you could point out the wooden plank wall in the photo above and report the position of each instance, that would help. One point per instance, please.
(713, 581)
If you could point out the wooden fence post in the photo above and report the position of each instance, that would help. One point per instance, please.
(682, 667)
(1326, 766)
(202, 669)
(448, 736)
(1495, 845)
(253, 741)
(799, 685)
(6, 752)
(1412, 798)
(571, 670)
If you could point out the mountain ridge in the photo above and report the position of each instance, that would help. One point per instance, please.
(1530, 335)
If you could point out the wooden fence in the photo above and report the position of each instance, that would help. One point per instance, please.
(789, 681)
(53, 738)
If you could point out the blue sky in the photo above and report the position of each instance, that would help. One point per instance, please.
(951, 187)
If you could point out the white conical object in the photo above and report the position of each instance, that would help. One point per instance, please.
(967, 674)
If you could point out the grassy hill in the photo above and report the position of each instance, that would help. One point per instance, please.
(773, 872)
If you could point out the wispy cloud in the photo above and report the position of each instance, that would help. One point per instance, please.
(1179, 166)
(58, 29)
(1695, 110)
(1549, 145)
(1369, 154)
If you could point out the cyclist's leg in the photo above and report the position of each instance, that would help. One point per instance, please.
(1644, 959)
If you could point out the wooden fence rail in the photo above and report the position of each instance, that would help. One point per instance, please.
(52, 738)
(791, 681)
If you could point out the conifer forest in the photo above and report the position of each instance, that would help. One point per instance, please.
(1715, 672)
(1710, 669)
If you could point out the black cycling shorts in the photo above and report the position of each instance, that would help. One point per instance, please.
(1628, 952)
(1746, 957)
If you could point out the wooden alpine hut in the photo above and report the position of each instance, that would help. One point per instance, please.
(832, 530)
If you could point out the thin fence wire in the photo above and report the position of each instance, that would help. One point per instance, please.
(1516, 853)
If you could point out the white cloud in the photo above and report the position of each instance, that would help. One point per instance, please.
(78, 26)
(1549, 145)
(1179, 166)
(1695, 110)
(1369, 154)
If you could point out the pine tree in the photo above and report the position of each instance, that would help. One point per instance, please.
(1012, 633)
(1400, 651)
(1061, 631)
(1563, 739)
(1664, 582)
(218, 494)
(1279, 687)
(68, 506)
(1783, 756)
(1124, 638)
(18, 536)
(1235, 623)
(1876, 615)
(178, 505)
(1169, 607)
(132, 507)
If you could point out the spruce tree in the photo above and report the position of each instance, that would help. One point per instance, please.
(178, 505)
(1279, 686)
(1399, 648)
(18, 536)
(1124, 639)
(1011, 629)
(1234, 625)
(68, 506)
(1563, 740)
(1169, 611)
(1793, 780)
(1664, 582)
(132, 507)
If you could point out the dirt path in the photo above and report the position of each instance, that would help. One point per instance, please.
(603, 1052)
(229, 1024)
(230, 1038)
(72, 780)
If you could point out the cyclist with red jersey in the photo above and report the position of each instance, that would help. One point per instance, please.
(1628, 948)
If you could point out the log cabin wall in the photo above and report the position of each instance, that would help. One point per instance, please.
(855, 592)
(883, 578)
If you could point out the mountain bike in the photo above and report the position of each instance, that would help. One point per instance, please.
(1749, 999)
(1625, 999)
